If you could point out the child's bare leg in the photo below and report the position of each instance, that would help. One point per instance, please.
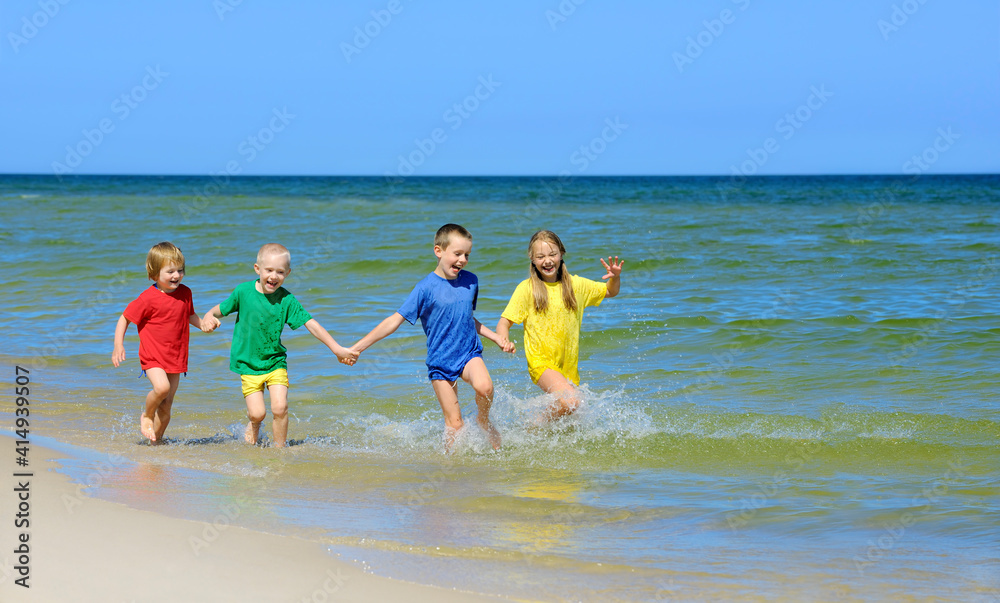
(161, 389)
(476, 375)
(162, 418)
(256, 413)
(567, 399)
(279, 414)
(447, 395)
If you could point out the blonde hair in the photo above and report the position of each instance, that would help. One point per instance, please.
(160, 255)
(538, 288)
(443, 236)
(274, 249)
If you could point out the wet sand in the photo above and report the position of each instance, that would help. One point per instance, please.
(84, 549)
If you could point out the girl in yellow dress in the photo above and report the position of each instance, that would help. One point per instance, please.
(550, 303)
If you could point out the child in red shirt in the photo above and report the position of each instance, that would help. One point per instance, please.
(162, 315)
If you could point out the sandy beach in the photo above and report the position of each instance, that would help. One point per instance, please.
(83, 549)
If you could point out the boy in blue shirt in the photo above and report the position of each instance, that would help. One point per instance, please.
(444, 301)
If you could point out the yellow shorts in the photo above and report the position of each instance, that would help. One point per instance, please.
(257, 383)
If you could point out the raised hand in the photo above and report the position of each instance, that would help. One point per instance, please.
(614, 267)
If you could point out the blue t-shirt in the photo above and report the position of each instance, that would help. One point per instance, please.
(444, 308)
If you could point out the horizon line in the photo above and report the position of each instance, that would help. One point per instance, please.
(548, 176)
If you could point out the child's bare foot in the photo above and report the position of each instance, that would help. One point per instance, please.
(251, 433)
(146, 428)
(563, 407)
(450, 434)
(492, 434)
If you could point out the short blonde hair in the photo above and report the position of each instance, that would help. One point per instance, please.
(274, 249)
(443, 236)
(160, 255)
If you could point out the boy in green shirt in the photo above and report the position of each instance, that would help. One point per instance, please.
(264, 308)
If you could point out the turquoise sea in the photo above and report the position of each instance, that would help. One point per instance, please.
(793, 398)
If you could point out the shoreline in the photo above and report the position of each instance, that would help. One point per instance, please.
(86, 549)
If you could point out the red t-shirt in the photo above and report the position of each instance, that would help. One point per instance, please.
(162, 319)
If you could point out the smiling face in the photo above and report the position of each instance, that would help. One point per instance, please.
(272, 268)
(546, 259)
(453, 257)
(170, 277)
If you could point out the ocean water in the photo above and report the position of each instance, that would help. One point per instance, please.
(794, 396)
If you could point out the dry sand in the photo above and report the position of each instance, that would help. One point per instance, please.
(85, 549)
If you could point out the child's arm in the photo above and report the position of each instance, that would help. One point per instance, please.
(384, 329)
(210, 321)
(502, 342)
(196, 321)
(118, 354)
(346, 356)
(503, 327)
(503, 332)
(614, 268)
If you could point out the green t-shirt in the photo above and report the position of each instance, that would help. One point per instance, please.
(257, 348)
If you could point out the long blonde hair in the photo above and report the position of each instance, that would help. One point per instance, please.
(538, 288)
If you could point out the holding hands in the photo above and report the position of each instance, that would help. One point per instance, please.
(356, 351)
(210, 322)
(506, 345)
(346, 356)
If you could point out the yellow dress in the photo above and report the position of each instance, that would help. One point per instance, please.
(552, 338)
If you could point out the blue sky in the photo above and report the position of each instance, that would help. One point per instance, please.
(423, 87)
